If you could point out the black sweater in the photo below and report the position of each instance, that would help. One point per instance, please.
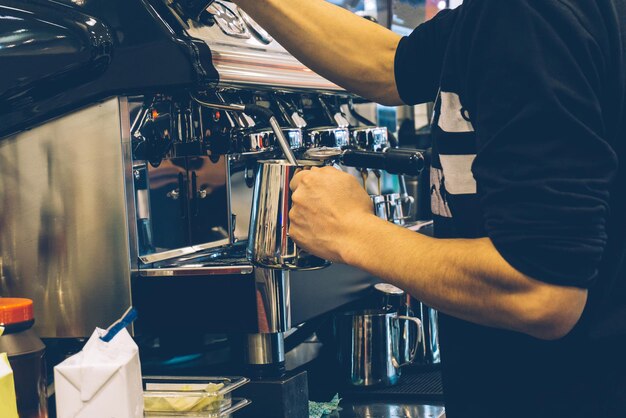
(529, 149)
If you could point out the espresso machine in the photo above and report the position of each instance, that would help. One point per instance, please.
(131, 133)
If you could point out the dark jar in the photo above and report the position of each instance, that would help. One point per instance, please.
(26, 356)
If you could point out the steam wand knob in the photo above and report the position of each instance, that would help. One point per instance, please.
(192, 9)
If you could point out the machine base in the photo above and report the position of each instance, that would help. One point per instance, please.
(286, 397)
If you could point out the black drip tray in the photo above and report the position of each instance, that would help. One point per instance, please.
(416, 384)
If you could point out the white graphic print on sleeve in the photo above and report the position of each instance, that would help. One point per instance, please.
(438, 194)
(453, 117)
(458, 173)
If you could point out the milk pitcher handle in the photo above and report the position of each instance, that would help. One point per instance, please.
(418, 340)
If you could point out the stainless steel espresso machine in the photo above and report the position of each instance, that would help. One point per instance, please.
(130, 134)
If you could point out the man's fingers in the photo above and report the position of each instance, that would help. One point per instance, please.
(295, 197)
(297, 179)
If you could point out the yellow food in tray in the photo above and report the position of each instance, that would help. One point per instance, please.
(194, 400)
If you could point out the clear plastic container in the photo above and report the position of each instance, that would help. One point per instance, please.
(192, 396)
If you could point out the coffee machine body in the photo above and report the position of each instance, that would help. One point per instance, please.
(119, 187)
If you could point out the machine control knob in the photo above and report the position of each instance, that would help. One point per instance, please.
(192, 9)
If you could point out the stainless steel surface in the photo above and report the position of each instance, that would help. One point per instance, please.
(261, 33)
(65, 221)
(166, 255)
(407, 203)
(282, 140)
(240, 198)
(220, 106)
(186, 211)
(302, 354)
(180, 252)
(370, 138)
(389, 409)
(269, 244)
(391, 207)
(257, 62)
(264, 141)
(195, 270)
(273, 300)
(132, 208)
(411, 188)
(284, 144)
(265, 292)
(368, 346)
(394, 299)
(228, 20)
(323, 154)
(391, 298)
(265, 349)
(330, 137)
(322, 291)
(429, 352)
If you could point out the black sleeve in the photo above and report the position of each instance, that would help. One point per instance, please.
(419, 58)
(534, 92)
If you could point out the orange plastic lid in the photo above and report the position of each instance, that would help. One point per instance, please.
(14, 311)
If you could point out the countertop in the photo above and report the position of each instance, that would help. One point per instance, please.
(375, 409)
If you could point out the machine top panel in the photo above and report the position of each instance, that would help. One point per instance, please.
(245, 55)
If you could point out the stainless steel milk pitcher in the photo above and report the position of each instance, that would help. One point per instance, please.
(269, 244)
(369, 346)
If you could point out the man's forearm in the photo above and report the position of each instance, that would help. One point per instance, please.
(348, 50)
(467, 279)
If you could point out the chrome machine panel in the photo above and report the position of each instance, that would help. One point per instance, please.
(245, 56)
(64, 219)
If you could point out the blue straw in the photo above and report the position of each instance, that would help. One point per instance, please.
(129, 317)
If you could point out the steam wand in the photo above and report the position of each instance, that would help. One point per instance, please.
(263, 113)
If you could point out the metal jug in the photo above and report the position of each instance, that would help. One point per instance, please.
(269, 244)
(369, 346)
(392, 207)
(429, 352)
(393, 299)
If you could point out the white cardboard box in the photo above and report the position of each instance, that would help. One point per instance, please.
(102, 381)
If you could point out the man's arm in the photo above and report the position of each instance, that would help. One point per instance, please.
(348, 50)
(467, 279)
(535, 84)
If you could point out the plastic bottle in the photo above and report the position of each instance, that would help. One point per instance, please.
(26, 356)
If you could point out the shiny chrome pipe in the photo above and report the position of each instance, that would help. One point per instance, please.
(263, 113)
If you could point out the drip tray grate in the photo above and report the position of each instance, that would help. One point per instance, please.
(415, 384)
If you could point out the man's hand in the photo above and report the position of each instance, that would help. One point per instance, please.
(328, 205)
